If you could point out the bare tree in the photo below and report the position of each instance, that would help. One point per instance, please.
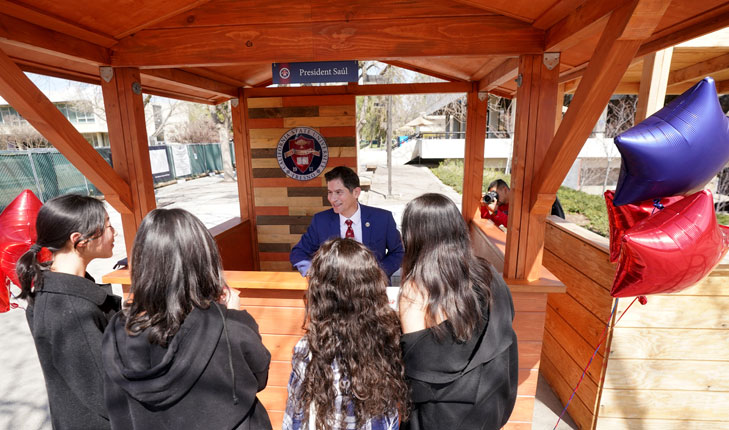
(21, 135)
(199, 127)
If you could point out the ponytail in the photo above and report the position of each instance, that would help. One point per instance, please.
(57, 219)
(29, 271)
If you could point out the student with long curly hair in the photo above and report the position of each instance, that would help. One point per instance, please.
(459, 346)
(67, 311)
(347, 370)
(177, 358)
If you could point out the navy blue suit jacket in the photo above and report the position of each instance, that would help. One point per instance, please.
(381, 237)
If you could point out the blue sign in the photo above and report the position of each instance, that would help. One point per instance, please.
(307, 73)
(302, 153)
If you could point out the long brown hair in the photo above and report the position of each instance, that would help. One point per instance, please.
(349, 320)
(176, 266)
(439, 262)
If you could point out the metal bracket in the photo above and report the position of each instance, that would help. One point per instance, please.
(482, 96)
(106, 73)
(137, 87)
(551, 60)
(234, 102)
(518, 80)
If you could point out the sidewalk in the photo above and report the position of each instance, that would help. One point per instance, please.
(23, 398)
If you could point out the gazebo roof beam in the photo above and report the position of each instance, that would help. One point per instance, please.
(586, 19)
(424, 71)
(361, 40)
(502, 73)
(699, 70)
(34, 37)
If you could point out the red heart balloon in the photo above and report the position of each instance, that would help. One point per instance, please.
(621, 218)
(672, 249)
(17, 234)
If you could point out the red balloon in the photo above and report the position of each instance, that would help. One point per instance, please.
(17, 234)
(621, 218)
(672, 249)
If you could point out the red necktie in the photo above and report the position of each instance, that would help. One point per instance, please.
(350, 233)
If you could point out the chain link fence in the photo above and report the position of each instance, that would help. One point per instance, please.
(49, 174)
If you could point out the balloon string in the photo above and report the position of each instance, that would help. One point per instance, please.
(599, 344)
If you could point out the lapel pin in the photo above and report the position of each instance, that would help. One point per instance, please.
(367, 224)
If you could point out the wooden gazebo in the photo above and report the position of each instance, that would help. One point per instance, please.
(212, 51)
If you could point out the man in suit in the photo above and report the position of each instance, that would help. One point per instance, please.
(373, 227)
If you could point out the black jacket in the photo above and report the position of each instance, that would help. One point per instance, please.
(67, 320)
(470, 385)
(188, 384)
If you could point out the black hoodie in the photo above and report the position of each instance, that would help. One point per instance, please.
(470, 385)
(200, 381)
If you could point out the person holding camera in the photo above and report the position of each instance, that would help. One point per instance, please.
(495, 203)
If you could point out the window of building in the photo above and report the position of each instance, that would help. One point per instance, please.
(9, 116)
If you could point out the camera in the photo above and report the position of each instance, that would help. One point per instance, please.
(490, 197)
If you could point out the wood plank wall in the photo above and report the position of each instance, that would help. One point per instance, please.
(284, 206)
(280, 316)
(668, 361)
(576, 319)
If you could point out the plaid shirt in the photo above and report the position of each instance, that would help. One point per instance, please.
(344, 418)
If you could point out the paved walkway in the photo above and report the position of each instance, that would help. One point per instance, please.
(23, 398)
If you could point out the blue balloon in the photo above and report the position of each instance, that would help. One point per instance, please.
(675, 151)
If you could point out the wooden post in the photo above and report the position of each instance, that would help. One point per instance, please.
(534, 129)
(473, 157)
(128, 139)
(244, 170)
(653, 83)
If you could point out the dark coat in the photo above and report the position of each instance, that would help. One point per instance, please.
(67, 320)
(470, 385)
(379, 234)
(188, 384)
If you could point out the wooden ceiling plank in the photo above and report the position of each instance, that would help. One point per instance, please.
(45, 117)
(34, 37)
(237, 12)
(216, 75)
(43, 20)
(160, 18)
(424, 71)
(489, 7)
(556, 13)
(585, 20)
(371, 40)
(193, 81)
(699, 70)
(502, 73)
(616, 48)
(362, 90)
(687, 30)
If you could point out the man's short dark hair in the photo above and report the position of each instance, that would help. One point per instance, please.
(498, 183)
(345, 174)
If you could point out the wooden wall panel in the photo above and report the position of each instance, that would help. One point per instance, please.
(664, 364)
(576, 319)
(284, 206)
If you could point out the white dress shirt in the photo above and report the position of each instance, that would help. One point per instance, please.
(356, 225)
